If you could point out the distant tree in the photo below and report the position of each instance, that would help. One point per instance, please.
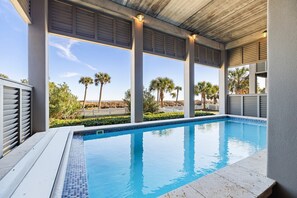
(213, 93)
(239, 80)
(178, 89)
(62, 103)
(203, 88)
(86, 81)
(24, 81)
(149, 103)
(3, 76)
(101, 79)
(173, 95)
(155, 86)
(163, 85)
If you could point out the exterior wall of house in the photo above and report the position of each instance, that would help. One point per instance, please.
(282, 101)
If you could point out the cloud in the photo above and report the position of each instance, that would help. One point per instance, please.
(65, 51)
(91, 67)
(69, 75)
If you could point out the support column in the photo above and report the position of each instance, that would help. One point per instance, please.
(282, 81)
(137, 72)
(252, 79)
(38, 65)
(223, 84)
(189, 79)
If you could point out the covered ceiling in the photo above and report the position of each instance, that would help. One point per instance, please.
(220, 20)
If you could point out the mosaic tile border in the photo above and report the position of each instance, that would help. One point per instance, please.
(75, 184)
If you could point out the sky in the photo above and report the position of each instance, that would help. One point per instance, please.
(70, 59)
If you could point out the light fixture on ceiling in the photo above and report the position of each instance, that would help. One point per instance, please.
(140, 17)
(194, 36)
(264, 34)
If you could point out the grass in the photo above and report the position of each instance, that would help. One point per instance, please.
(121, 119)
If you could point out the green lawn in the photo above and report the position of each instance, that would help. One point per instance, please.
(107, 120)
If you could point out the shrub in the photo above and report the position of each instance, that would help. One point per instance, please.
(149, 103)
(108, 120)
(62, 103)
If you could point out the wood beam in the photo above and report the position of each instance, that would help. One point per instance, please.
(115, 9)
(245, 40)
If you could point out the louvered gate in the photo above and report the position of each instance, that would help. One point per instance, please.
(15, 114)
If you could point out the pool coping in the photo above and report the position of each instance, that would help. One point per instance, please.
(236, 180)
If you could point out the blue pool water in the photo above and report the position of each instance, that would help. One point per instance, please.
(149, 162)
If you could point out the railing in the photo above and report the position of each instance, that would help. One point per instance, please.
(254, 105)
(15, 114)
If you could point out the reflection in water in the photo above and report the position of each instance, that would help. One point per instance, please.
(163, 132)
(150, 162)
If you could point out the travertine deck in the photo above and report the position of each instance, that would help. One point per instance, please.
(245, 178)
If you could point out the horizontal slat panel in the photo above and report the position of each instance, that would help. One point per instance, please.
(250, 53)
(84, 23)
(261, 67)
(9, 112)
(202, 54)
(263, 49)
(10, 138)
(10, 107)
(9, 91)
(263, 106)
(234, 105)
(10, 122)
(148, 44)
(9, 117)
(235, 56)
(8, 148)
(8, 133)
(61, 17)
(7, 128)
(250, 106)
(163, 44)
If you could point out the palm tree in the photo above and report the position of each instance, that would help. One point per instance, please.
(102, 79)
(155, 86)
(203, 88)
(161, 85)
(239, 80)
(214, 93)
(85, 81)
(166, 85)
(24, 81)
(177, 88)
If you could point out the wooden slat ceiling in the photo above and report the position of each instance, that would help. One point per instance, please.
(220, 20)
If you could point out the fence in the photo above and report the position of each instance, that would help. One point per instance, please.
(15, 114)
(254, 105)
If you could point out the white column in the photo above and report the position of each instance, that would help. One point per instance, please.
(189, 79)
(252, 79)
(223, 83)
(137, 72)
(38, 66)
(282, 106)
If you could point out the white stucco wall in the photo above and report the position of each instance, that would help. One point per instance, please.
(282, 101)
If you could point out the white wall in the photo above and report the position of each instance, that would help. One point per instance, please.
(282, 101)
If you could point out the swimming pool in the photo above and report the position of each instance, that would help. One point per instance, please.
(149, 162)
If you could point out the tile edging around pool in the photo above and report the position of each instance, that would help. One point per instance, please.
(147, 124)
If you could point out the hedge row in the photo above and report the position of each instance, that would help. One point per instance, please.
(107, 120)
